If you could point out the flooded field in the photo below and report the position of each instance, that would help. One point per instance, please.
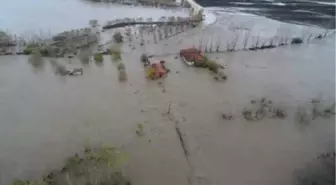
(311, 12)
(45, 118)
(28, 18)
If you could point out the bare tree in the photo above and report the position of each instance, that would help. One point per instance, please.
(154, 36)
(328, 25)
(231, 46)
(218, 44)
(210, 48)
(165, 27)
(172, 19)
(246, 38)
(271, 42)
(178, 23)
(286, 39)
(256, 45)
(141, 28)
(200, 46)
(160, 34)
(309, 37)
(129, 33)
(163, 19)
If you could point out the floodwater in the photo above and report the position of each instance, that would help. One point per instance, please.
(312, 12)
(44, 117)
(27, 18)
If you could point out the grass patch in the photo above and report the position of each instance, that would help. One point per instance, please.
(98, 57)
(95, 166)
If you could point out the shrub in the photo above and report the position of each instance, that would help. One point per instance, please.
(296, 40)
(118, 38)
(144, 58)
(102, 165)
(98, 57)
(212, 66)
(27, 50)
(44, 52)
(319, 36)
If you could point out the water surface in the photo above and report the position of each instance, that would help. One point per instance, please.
(44, 117)
(47, 17)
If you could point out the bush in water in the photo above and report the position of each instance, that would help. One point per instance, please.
(118, 38)
(122, 72)
(297, 40)
(103, 165)
(98, 57)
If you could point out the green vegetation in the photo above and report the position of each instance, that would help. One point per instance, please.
(211, 65)
(28, 49)
(98, 57)
(99, 166)
(115, 53)
(140, 130)
(3, 34)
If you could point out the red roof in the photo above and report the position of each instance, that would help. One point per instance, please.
(191, 54)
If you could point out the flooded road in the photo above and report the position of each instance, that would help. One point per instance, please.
(45, 118)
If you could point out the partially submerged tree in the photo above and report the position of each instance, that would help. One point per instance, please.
(84, 55)
(98, 57)
(103, 165)
(231, 45)
(115, 52)
(122, 76)
(160, 34)
(118, 38)
(296, 40)
(246, 39)
(35, 59)
(165, 30)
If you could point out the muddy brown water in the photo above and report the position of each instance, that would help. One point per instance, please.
(44, 118)
(46, 18)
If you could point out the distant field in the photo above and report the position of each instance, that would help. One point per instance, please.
(320, 13)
